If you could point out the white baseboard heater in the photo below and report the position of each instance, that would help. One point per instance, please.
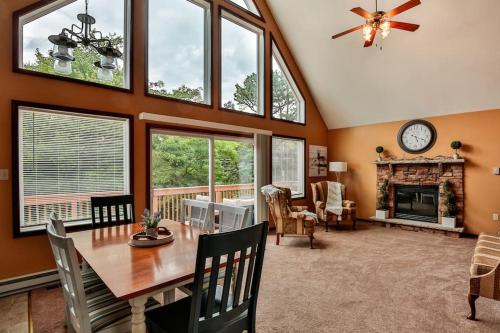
(28, 282)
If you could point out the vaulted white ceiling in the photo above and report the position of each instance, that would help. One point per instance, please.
(450, 65)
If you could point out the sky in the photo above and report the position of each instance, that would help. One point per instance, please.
(176, 48)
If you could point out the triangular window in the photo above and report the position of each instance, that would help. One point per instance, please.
(288, 102)
(247, 5)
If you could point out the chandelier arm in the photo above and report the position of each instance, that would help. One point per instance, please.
(73, 34)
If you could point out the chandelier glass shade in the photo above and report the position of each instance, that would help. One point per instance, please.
(86, 36)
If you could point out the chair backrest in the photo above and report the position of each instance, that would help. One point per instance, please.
(198, 213)
(68, 268)
(57, 224)
(279, 205)
(114, 210)
(205, 314)
(320, 191)
(231, 217)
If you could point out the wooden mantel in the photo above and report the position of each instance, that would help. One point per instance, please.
(438, 161)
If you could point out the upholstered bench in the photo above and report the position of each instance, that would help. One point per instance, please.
(485, 271)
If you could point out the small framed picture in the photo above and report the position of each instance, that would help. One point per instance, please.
(318, 161)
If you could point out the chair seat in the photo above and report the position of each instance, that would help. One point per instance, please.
(174, 317)
(106, 310)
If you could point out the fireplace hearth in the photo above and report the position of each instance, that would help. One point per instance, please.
(415, 192)
(417, 203)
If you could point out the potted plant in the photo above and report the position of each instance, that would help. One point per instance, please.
(456, 145)
(151, 222)
(450, 206)
(382, 212)
(379, 151)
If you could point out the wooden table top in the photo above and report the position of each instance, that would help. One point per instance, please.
(130, 271)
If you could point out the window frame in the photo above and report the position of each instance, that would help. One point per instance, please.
(16, 176)
(293, 84)
(210, 135)
(249, 12)
(209, 55)
(227, 14)
(38, 6)
(305, 166)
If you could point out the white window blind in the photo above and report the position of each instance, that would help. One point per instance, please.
(66, 158)
(288, 164)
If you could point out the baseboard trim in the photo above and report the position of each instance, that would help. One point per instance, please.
(28, 282)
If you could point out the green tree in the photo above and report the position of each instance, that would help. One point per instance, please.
(246, 95)
(284, 102)
(83, 67)
(183, 92)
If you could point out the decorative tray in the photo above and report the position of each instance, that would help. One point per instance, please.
(140, 239)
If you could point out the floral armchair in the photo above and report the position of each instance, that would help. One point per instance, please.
(320, 196)
(484, 271)
(292, 220)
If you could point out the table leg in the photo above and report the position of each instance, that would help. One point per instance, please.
(138, 319)
(169, 296)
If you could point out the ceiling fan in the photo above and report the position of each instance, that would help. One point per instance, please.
(380, 20)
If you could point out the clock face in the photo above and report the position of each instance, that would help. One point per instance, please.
(417, 136)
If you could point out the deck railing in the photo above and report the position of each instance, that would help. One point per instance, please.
(167, 201)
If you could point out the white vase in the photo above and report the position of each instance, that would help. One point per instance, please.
(450, 222)
(382, 214)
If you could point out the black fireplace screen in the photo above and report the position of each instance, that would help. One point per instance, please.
(418, 203)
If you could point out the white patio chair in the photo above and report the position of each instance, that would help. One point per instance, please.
(87, 312)
(231, 217)
(198, 214)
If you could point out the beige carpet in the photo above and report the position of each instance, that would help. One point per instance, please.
(370, 280)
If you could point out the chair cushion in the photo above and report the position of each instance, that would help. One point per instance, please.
(105, 309)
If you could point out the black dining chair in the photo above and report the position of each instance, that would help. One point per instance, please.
(218, 309)
(102, 210)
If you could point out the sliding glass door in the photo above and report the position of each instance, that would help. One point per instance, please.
(201, 167)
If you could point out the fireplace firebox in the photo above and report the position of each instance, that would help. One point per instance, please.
(416, 202)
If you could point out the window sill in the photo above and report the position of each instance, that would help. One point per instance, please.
(41, 229)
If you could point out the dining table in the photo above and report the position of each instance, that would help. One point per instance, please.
(134, 274)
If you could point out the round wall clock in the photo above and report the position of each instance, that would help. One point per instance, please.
(417, 136)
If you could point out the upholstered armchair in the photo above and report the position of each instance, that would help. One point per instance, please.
(320, 196)
(292, 220)
(485, 271)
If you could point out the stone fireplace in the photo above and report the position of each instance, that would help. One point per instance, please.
(416, 189)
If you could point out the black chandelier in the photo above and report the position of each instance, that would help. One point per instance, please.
(68, 39)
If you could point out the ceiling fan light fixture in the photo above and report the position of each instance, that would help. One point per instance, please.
(367, 31)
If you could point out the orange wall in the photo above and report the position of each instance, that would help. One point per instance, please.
(32, 254)
(478, 131)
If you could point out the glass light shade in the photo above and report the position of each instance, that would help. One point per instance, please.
(338, 167)
(62, 52)
(104, 74)
(62, 66)
(385, 33)
(386, 25)
(108, 62)
(367, 29)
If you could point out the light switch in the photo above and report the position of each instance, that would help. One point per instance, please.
(496, 171)
(495, 217)
(4, 174)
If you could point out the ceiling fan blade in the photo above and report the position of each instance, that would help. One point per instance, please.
(362, 12)
(347, 32)
(404, 26)
(404, 7)
(369, 43)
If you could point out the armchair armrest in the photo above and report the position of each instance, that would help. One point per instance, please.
(320, 205)
(348, 204)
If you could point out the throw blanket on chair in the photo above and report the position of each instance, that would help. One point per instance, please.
(334, 200)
